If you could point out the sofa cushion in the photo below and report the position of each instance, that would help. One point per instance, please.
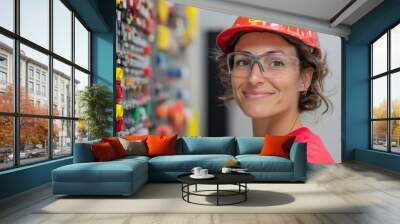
(208, 145)
(116, 145)
(249, 145)
(277, 145)
(134, 147)
(83, 152)
(160, 145)
(257, 163)
(185, 163)
(112, 171)
(103, 151)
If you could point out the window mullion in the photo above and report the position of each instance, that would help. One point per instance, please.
(16, 69)
(389, 106)
(50, 81)
(73, 81)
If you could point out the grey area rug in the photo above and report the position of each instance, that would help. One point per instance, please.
(166, 198)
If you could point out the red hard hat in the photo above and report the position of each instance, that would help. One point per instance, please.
(241, 24)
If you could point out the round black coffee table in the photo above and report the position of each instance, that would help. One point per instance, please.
(238, 179)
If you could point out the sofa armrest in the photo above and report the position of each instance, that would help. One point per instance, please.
(298, 155)
(83, 152)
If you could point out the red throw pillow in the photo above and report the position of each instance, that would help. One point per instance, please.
(103, 151)
(161, 145)
(116, 145)
(277, 145)
(135, 137)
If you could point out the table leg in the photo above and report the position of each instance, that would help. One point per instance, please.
(245, 193)
(196, 188)
(217, 194)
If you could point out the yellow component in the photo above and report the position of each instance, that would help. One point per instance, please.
(119, 74)
(193, 125)
(191, 28)
(163, 37)
(119, 111)
(162, 8)
(118, 2)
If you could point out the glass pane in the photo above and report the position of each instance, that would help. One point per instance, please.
(379, 97)
(62, 141)
(62, 29)
(6, 142)
(395, 94)
(35, 21)
(33, 139)
(379, 55)
(81, 45)
(62, 89)
(395, 47)
(6, 74)
(81, 81)
(34, 97)
(379, 135)
(81, 131)
(7, 14)
(395, 136)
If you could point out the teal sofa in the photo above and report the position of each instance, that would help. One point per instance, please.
(125, 176)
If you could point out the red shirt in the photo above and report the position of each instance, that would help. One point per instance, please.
(316, 151)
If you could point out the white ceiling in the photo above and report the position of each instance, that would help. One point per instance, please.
(325, 16)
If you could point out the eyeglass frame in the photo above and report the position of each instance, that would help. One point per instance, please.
(256, 59)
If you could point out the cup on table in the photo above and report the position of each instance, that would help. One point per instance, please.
(226, 170)
(196, 171)
(203, 172)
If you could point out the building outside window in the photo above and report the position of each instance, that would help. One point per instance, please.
(58, 128)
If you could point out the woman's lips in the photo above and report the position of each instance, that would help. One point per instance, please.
(256, 94)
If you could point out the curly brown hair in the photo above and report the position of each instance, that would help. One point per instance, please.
(308, 101)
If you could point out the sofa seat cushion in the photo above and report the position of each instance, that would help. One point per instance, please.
(207, 145)
(257, 163)
(185, 163)
(111, 171)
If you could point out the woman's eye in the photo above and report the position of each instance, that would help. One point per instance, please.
(277, 63)
(241, 63)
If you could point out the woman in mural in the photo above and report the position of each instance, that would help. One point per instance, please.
(275, 72)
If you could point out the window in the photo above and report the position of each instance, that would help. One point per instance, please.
(3, 71)
(3, 61)
(54, 125)
(30, 87)
(7, 14)
(385, 94)
(44, 91)
(37, 74)
(7, 89)
(3, 78)
(30, 72)
(38, 89)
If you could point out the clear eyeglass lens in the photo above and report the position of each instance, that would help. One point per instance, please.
(240, 65)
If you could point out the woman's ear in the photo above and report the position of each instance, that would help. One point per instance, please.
(305, 79)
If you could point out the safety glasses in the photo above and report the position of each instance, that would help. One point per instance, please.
(272, 64)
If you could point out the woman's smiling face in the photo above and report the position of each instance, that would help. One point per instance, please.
(261, 97)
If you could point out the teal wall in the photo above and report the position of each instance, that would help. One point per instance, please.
(99, 16)
(356, 102)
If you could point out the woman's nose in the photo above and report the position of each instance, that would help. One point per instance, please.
(256, 74)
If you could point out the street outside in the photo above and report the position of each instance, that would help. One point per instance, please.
(33, 156)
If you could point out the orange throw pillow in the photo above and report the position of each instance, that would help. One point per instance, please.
(103, 152)
(277, 145)
(116, 145)
(161, 145)
(135, 137)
